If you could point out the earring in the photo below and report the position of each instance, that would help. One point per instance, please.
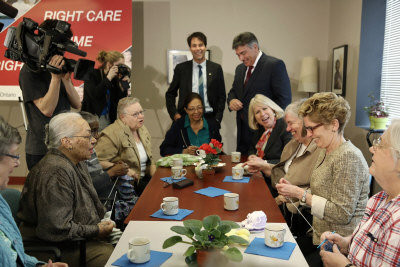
(70, 148)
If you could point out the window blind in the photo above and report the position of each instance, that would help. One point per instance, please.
(390, 83)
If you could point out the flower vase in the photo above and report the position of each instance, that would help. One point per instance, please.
(208, 172)
(372, 122)
(380, 123)
(202, 256)
(199, 170)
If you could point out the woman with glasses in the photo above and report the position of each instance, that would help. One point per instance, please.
(339, 183)
(376, 239)
(58, 202)
(103, 181)
(297, 159)
(190, 131)
(128, 140)
(11, 246)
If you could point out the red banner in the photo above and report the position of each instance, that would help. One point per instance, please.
(96, 25)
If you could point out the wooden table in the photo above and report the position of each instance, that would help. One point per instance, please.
(253, 196)
(157, 232)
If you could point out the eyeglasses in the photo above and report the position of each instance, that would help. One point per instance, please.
(85, 136)
(312, 128)
(195, 108)
(15, 157)
(136, 114)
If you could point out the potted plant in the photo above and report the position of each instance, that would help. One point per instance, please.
(377, 112)
(210, 159)
(207, 236)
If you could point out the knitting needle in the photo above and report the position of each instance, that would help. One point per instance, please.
(325, 240)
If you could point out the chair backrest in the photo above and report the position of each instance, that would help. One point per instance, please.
(12, 197)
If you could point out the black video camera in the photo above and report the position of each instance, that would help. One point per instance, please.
(36, 49)
(124, 70)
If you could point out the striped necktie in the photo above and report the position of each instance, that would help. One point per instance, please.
(201, 83)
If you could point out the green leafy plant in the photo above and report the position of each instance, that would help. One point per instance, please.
(208, 234)
(376, 108)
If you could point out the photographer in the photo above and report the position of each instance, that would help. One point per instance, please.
(105, 86)
(45, 95)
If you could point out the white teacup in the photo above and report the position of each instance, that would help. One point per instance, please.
(177, 162)
(237, 173)
(139, 250)
(178, 172)
(170, 205)
(201, 153)
(235, 156)
(274, 235)
(231, 201)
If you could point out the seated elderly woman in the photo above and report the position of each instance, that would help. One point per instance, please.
(58, 201)
(270, 137)
(296, 164)
(376, 239)
(190, 131)
(339, 183)
(102, 180)
(11, 247)
(128, 140)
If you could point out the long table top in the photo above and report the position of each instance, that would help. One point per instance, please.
(157, 232)
(253, 196)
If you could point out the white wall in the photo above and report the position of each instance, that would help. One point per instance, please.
(288, 29)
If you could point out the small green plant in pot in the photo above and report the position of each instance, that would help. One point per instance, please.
(377, 112)
(208, 235)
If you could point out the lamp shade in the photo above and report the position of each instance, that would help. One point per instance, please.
(308, 81)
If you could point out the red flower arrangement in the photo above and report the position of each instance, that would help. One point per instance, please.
(212, 150)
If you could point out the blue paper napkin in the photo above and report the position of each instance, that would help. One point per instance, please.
(211, 191)
(182, 213)
(156, 259)
(258, 247)
(170, 180)
(230, 179)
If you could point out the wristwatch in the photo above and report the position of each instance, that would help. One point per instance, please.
(303, 198)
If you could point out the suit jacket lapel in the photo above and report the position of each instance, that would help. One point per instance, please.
(242, 73)
(254, 74)
(209, 75)
(188, 75)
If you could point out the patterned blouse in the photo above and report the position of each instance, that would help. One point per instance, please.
(376, 240)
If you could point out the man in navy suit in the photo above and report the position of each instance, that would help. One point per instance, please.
(258, 74)
(200, 76)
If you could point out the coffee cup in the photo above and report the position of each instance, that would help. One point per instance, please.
(231, 201)
(178, 172)
(201, 153)
(170, 205)
(177, 162)
(237, 173)
(235, 156)
(139, 250)
(274, 235)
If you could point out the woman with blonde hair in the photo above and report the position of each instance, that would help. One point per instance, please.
(104, 87)
(270, 136)
(339, 183)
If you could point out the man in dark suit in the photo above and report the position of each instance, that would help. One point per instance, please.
(258, 74)
(200, 76)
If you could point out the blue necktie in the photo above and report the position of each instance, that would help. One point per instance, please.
(201, 83)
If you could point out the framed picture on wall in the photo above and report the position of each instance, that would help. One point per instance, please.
(174, 57)
(339, 70)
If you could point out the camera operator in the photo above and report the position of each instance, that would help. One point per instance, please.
(105, 86)
(45, 95)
